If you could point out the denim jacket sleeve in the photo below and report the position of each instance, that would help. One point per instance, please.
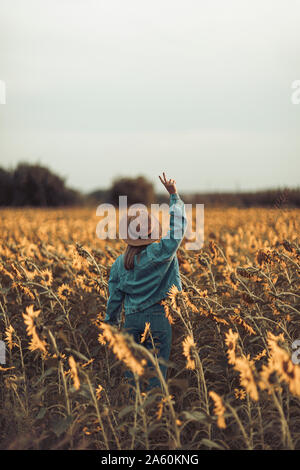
(116, 296)
(168, 245)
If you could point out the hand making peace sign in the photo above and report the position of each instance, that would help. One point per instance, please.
(170, 185)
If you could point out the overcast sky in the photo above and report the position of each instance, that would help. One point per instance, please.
(201, 89)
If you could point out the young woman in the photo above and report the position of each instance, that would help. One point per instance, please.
(142, 276)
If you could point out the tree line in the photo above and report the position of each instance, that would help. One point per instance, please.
(37, 186)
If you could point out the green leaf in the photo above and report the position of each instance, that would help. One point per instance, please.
(84, 391)
(211, 444)
(41, 413)
(62, 425)
(125, 411)
(78, 354)
(48, 372)
(154, 427)
(180, 383)
(196, 416)
(149, 400)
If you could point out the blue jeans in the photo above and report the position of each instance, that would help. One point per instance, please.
(162, 337)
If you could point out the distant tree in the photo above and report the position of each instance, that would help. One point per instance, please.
(98, 196)
(6, 187)
(137, 190)
(271, 198)
(35, 185)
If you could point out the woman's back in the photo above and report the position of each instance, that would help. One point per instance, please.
(148, 281)
(155, 269)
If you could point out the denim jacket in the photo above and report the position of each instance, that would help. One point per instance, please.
(155, 270)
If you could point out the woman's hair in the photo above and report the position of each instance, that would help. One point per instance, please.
(130, 253)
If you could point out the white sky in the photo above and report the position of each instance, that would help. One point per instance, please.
(201, 89)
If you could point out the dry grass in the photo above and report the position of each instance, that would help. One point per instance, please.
(231, 382)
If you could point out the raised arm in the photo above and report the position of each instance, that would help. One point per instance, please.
(168, 245)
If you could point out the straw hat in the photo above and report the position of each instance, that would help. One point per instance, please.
(141, 229)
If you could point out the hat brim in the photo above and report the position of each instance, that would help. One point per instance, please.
(140, 241)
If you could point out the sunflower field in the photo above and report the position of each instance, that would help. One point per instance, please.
(234, 373)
